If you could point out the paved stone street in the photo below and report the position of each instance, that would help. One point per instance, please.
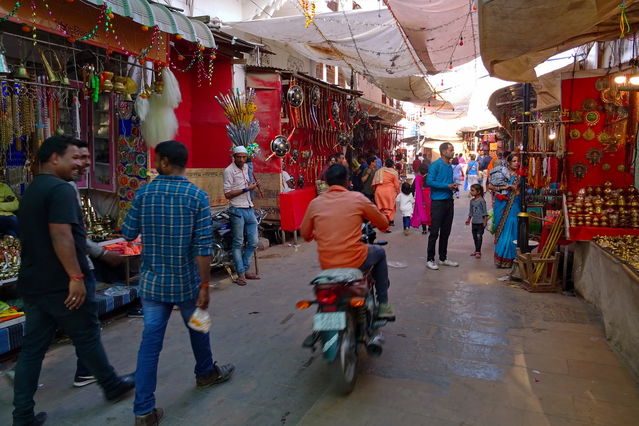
(466, 349)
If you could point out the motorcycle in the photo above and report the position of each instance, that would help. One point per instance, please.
(346, 318)
(222, 245)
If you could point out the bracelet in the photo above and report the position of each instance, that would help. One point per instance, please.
(76, 277)
(245, 190)
(205, 285)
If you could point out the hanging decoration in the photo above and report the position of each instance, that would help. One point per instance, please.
(160, 123)
(624, 25)
(104, 17)
(12, 12)
(308, 8)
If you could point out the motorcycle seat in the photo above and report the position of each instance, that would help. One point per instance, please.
(338, 275)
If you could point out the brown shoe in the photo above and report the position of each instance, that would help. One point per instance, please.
(150, 419)
(216, 376)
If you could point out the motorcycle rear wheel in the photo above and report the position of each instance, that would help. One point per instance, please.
(344, 367)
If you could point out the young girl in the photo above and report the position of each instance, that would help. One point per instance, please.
(406, 204)
(478, 215)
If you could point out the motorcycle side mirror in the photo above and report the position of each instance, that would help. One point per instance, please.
(381, 243)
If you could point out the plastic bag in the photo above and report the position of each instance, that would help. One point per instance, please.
(200, 321)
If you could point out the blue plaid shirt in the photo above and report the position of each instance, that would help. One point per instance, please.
(174, 219)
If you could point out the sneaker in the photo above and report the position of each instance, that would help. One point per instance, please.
(432, 265)
(385, 310)
(80, 381)
(135, 313)
(216, 376)
(473, 254)
(406, 231)
(150, 419)
(448, 262)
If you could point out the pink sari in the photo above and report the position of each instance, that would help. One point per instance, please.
(421, 212)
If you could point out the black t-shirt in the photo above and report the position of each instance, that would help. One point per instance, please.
(48, 199)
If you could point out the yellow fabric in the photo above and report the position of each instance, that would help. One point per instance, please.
(7, 208)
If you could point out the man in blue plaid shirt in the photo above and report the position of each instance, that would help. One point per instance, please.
(173, 217)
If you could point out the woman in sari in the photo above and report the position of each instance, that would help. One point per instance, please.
(386, 184)
(505, 210)
(421, 212)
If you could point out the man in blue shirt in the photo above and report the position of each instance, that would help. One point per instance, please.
(173, 217)
(440, 181)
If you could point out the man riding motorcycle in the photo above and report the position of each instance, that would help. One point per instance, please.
(334, 220)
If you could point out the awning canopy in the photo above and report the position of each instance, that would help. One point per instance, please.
(442, 32)
(517, 35)
(167, 20)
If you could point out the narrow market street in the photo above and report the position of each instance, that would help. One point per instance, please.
(466, 349)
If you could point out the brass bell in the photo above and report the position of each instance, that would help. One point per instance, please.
(20, 72)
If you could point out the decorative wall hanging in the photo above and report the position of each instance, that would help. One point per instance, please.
(295, 96)
(605, 167)
(593, 155)
(592, 118)
(579, 170)
(621, 168)
(589, 104)
(577, 116)
(589, 134)
(344, 139)
(602, 83)
(316, 96)
(353, 108)
(575, 134)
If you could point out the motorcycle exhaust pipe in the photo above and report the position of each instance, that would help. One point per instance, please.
(374, 346)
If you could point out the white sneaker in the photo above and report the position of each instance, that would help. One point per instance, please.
(432, 265)
(448, 262)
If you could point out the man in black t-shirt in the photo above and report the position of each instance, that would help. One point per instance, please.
(51, 279)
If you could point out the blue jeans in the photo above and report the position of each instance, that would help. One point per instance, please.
(89, 283)
(156, 317)
(244, 226)
(406, 220)
(376, 259)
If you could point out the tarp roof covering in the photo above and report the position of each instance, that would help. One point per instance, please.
(441, 31)
(367, 41)
(517, 35)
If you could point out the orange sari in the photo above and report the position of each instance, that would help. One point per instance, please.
(386, 183)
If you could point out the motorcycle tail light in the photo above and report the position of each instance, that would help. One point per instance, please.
(303, 304)
(356, 302)
(326, 297)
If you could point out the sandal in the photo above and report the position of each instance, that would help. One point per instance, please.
(252, 276)
(240, 281)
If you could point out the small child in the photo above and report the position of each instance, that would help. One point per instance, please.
(478, 215)
(406, 203)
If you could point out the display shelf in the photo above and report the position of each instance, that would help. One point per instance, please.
(8, 281)
(586, 233)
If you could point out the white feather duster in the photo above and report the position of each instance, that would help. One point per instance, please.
(171, 94)
(161, 123)
(142, 107)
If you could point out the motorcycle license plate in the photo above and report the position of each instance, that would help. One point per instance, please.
(329, 321)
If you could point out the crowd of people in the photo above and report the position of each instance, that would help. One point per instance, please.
(427, 202)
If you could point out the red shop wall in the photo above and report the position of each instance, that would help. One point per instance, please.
(573, 94)
(202, 124)
(268, 99)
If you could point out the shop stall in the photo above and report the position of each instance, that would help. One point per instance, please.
(80, 68)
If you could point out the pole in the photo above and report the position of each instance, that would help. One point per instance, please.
(522, 228)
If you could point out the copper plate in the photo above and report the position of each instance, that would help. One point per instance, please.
(589, 134)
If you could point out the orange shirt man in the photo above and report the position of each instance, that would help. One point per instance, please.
(334, 219)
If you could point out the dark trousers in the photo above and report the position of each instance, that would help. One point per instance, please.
(441, 213)
(478, 235)
(406, 220)
(376, 259)
(44, 315)
(90, 283)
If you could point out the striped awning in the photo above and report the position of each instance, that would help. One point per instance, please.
(167, 20)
